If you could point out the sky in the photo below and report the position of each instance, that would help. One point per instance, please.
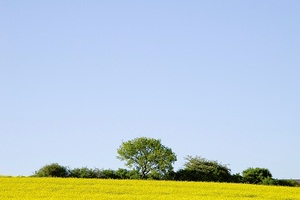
(216, 79)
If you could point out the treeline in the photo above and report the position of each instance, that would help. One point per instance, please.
(147, 158)
(209, 171)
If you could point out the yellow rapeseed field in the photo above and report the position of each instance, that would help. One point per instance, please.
(70, 188)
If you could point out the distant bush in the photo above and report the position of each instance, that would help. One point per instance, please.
(200, 169)
(93, 173)
(122, 173)
(187, 175)
(53, 170)
(269, 181)
(127, 174)
(84, 172)
(256, 175)
(280, 182)
(108, 174)
(285, 182)
(236, 178)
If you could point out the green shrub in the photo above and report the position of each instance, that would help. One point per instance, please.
(108, 174)
(285, 182)
(256, 175)
(269, 181)
(236, 178)
(83, 172)
(53, 170)
(200, 169)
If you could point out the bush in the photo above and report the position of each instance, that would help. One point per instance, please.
(122, 173)
(269, 181)
(53, 170)
(107, 174)
(84, 173)
(284, 182)
(127, 174)
(236, 178)
(256, 175)
(280, 182)
(200, 169)
(134, 174)
(94, 173)
(104, 173)
(187, 175)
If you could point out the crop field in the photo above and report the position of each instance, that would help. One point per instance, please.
(71, 188)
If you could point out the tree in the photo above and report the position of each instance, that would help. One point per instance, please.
(147, 156)
(53, 170)
(256, 175)
(200, 169)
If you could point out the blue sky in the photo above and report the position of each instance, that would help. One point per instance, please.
(217, 79)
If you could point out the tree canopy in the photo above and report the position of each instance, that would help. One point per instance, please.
(147, 156)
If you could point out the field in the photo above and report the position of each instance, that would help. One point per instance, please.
(68, 188)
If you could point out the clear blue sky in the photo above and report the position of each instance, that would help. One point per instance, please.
(218, 79)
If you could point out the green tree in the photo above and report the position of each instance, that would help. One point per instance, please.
(147, 156)
(200, 169)
(53, 170)
(256, 175)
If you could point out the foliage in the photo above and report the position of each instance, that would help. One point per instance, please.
(53, 170)
(84, 172)
(122, 173)
(104, 173)
(236, 178)
(149, 159)
(127, 174)
(280, 182)
(201, 169)
(107, 174)
(269, 181)
(285, 182)
(256, 175)
(147, 156)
